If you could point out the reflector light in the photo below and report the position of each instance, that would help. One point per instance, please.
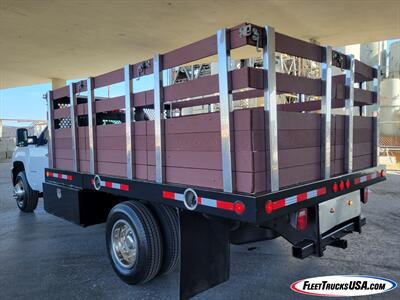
(108, 184)
(124, 187)
(382, 173)
(335, 187)
(239, 207)
(278, 204)
(341, 185)
(301, 219)
(269, 207)
(168, 195)
(59, 176)
(364, 199)
(347, 183)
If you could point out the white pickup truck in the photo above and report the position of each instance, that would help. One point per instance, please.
(27, 173)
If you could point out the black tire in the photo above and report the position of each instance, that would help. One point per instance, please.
(169, 224)
(149, 245)
(29, 200)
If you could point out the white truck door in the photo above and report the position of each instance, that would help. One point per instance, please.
(38, 161)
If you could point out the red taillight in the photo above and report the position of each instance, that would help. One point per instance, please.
(301, 219)
(269, 207)
(364, 198)
(347, 183)
(335, 187)
(341, 185)
(124, 187)
(382, 173)
(239, 207)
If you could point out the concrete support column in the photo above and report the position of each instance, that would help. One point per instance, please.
(57, 83)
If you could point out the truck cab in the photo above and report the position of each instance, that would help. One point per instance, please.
(29, 161)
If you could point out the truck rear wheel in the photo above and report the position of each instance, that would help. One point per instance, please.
(26, 198)
(134, 243)
(169, 224)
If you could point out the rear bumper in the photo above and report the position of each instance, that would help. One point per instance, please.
(273, 206)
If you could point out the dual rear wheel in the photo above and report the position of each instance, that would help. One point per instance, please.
(142, 241)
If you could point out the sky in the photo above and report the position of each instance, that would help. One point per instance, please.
(27, 102)
(24, 102)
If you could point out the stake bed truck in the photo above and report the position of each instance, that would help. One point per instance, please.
(177, 188)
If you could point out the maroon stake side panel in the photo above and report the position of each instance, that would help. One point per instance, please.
(193, 143)
(239, 79)
(193, 149)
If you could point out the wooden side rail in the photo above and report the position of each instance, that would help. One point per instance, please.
(92, 155)
(242, 78)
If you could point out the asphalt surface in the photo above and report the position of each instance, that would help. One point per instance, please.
(44, 257)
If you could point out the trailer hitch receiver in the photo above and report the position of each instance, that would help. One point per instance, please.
(339, 243)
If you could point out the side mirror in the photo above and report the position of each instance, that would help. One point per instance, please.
(22, 137)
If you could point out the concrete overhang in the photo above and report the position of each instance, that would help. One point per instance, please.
(47, 39)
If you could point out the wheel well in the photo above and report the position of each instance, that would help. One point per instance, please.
(17, 167)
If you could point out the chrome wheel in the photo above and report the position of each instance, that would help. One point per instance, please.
(19, 193)
(124, 244)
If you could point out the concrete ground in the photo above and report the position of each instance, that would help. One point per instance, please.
(44, 257)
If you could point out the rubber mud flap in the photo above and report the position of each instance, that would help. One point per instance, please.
(205, 253)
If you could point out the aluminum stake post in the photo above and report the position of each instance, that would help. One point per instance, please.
(128, 120)
(349, 116)
(50, 126)
(226, 108)
(326, 115)
(74, 127)
(92, 125)
(375, 114)
(158, 132)
(270, 108)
